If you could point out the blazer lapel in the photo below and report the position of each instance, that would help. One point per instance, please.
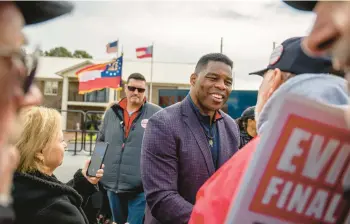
(193, 124)
(224, 148)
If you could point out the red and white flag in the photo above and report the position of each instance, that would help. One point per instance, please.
(144, 52)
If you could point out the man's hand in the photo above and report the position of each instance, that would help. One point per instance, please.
(99, 174)
(331, 33)
(9, 159)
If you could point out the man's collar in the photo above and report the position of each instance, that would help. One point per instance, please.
(217, 115)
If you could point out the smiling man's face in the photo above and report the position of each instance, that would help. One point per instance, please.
(212, 86)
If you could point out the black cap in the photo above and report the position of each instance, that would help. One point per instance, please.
(302, 5)
(40, 11)
(290, 57)
(248, 113)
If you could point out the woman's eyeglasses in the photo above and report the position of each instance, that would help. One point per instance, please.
(132, 89)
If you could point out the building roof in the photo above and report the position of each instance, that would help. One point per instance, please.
(163, 72)
(48, 67)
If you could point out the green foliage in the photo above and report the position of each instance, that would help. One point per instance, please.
(59, 52)
(81, 54)
(64, 52)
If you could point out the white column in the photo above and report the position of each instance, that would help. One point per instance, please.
(64, 105)
(111, 95)
(116, 95)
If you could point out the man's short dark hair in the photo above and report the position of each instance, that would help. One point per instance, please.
(204, 60)
(136, 76)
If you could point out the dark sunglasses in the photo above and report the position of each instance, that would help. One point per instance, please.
(132, 89)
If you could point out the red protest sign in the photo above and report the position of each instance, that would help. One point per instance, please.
(304, 178)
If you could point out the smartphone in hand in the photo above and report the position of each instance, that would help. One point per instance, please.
(97, 158)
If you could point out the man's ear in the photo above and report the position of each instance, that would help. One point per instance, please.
(193, 79)
(276, 81)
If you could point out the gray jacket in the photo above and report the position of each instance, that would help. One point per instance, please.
(323, 88)
(122, 164)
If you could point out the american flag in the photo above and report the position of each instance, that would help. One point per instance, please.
(112, 47)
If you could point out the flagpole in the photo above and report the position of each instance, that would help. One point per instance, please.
(151, 84)
(115, 91)
(221, 44)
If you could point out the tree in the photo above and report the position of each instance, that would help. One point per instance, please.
(59, 52)
(81, 54)
(63, 52)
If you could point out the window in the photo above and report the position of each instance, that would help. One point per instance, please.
(98, 96)
(169, 97)
(51, 88)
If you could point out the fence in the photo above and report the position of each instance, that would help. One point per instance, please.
(82, 130)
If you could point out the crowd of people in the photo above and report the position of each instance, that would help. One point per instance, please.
(162, 165)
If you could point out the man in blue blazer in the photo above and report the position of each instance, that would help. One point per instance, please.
(186, 143)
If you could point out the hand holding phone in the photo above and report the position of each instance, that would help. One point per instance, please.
(97, 158)
(92, 179)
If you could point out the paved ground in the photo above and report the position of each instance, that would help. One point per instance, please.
(70, 165)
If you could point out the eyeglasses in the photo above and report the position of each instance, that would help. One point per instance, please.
(22, 60)
(132, 89)
(31, 70)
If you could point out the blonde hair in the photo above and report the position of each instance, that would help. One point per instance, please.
(41, 129)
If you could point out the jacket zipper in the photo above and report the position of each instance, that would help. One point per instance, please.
(120, 160)
(123, 146)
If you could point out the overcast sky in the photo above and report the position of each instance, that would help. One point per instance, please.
(182, 31)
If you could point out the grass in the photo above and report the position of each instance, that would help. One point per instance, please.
(87, 138)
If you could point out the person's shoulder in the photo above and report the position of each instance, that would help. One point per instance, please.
(168, 114)
(60, 210)
(230, 122)
(111, 110)
(153, 107)
(227, 118)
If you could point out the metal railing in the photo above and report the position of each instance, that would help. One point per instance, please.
(78, 137)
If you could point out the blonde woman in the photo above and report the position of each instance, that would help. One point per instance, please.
(38, 196)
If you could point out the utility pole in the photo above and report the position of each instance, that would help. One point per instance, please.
(151, 84)
(274, 45)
